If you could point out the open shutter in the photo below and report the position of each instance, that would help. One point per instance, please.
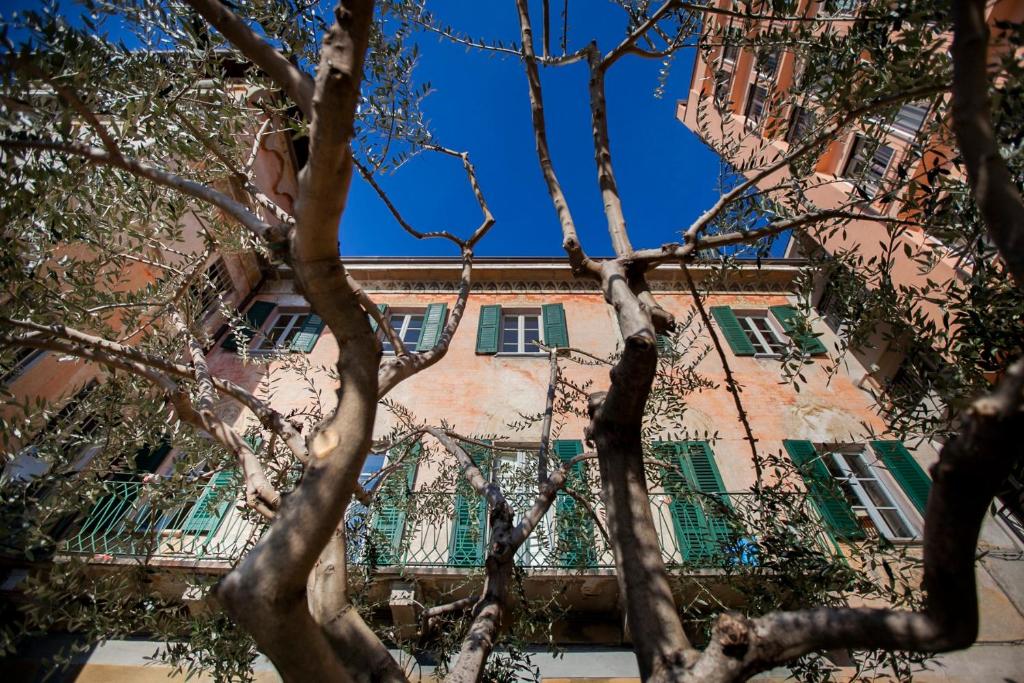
(556, 333)
(210, 508)
(305, 340)
(703, 472)
(574, 528)
(687, 517)
(433, 325)
(487, 331)
(791, 321)
(906, 471)
(731, 330)
(254, 319)
(383, 308)
(834, 508)
(389, 521)
(469, 525)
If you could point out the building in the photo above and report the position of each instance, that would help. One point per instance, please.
(489, 379)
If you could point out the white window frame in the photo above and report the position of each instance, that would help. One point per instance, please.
(781, 338)
(400, 330)
(891, 489)
(861, 177)
(906, 133)
(534, 551)
(262, 338)
(521, 346)
(751, 122)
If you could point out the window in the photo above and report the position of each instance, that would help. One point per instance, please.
(732, 49)
(216, 281)
(281, 332)
(755, 105)
(373, 464)
(910, 118)
(868, 491)
(867, 164)
(408, 326)
(843, 8)
(723, 86)
(516, 474)
(23, 359)
(761, 333)
(519, 331)
(768, 63)
(800, 125)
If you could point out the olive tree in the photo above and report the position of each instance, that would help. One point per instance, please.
(108, 149)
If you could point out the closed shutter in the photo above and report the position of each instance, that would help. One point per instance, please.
(433, 326)
(469, 525)
(306, 339)
(210, 508)
(389, 521)
(556, 333)
(823, 489)
(702, 529)
(792, 321)
(731, 330)
(574, 528)
(383, 308)
(687, 517)
(487, 331)
(254, 319)
(906, 471)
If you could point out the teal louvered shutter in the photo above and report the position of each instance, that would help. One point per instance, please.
(574, 528)
(488, 329)
(703, 472)
(210, 508)
(687, 517)
(664, 345)
(254, 319)
(737, 339)
(556, 332)
(824, 490)
(906, 471)
(792, 322)
(383, 308)
(305, 340)
(469, 524)
(254, 441)
(389, 521)
(433, 326)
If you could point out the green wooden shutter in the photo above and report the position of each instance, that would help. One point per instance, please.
(906, 471)
(306, 339)
(574, 528)
(664, 345)
(254, 319)
(556, 332)
(433, 326)
(389, 521)
(829, 500)
(469, 525)
(791, 320)
(383, 308)
(703, 472)
(488, 330)
(687, 517)
(738, 340)
(210, 508)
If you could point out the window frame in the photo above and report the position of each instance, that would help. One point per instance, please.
(836, 454)
(406, 314)
(753, 123)
(262, 336)
(907, 133)
(28, 358)
(521, 314)
(859, 177)
(774, 327)
(794, 132)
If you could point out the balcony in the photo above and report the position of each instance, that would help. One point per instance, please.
(135, 522)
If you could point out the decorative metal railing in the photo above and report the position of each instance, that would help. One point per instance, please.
(133, 520)
(136, 520)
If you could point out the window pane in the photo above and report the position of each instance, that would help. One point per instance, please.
(530, 336)
(297, 322)
(531, 322)
(897, 526)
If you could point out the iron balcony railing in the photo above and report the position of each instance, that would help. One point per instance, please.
(133, 521)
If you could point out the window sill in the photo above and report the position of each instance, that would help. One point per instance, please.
(521, 354)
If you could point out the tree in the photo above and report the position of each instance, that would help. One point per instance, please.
(105, 124)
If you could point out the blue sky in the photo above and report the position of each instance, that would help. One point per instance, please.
(479, 104)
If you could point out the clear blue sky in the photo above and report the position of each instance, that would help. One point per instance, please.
(666, 175)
